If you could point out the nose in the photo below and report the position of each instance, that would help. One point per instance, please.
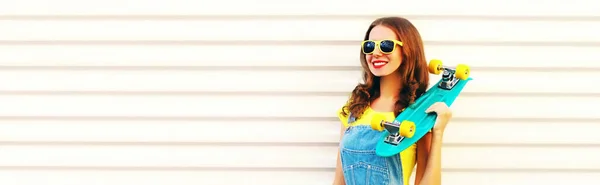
(377, 53)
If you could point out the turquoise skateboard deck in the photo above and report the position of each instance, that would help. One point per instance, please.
(413, 123)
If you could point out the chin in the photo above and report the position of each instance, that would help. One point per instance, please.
(380, 73)
(377, 74)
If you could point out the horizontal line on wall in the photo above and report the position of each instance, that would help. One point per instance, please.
(165, 144)
(332, 119)
(520, 170)
(162, 118)
(187, 68)
(163, 168)
(146, 17)
(270, 68)
(276, 93)
(275, 144)
(175, 93)
(273, 169)
(282, 42)
(524, 145)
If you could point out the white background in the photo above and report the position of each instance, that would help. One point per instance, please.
(188, 92)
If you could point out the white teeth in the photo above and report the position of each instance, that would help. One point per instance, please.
(379, 63)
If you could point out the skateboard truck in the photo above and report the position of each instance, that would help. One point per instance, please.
(398, 131)
(394, 138)
(451, 75)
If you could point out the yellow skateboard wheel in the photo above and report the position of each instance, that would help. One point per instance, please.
(407, 129)
(462, 71)
(435, 66)
(376, 122)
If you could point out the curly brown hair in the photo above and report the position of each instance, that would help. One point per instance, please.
(413, 69)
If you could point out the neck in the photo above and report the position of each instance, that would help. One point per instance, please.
(389, 87)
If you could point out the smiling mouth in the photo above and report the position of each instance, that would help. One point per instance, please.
(378, 64)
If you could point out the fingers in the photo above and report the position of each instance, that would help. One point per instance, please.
(436, 107)
(433, 108)
(430, 109)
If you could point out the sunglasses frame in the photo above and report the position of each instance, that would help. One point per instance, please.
(378, 45)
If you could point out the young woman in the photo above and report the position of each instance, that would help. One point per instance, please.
(395, 74)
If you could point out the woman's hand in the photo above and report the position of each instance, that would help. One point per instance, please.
(444, 114)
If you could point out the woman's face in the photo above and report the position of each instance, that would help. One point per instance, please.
(379, 63)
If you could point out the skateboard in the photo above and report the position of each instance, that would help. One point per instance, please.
(413, 123)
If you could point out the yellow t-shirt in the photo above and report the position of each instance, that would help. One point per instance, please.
(407, 156)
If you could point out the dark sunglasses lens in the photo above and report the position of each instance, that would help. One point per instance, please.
(387, 46)
(368, 47)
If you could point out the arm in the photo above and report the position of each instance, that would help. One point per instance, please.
(423, 150)
(432, 152)
(431, 171)
(339, 174)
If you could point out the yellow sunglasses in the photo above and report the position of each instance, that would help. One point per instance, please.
(385, 46)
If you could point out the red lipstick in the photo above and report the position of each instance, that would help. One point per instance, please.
(378, 63)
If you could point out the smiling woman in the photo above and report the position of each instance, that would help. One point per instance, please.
(395, 75)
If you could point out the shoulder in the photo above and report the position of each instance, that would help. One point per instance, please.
(340, 113)
(343, 112)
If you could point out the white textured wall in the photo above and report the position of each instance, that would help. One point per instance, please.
(183, 92)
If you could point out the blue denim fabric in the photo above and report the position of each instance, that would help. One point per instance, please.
(361, 166)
